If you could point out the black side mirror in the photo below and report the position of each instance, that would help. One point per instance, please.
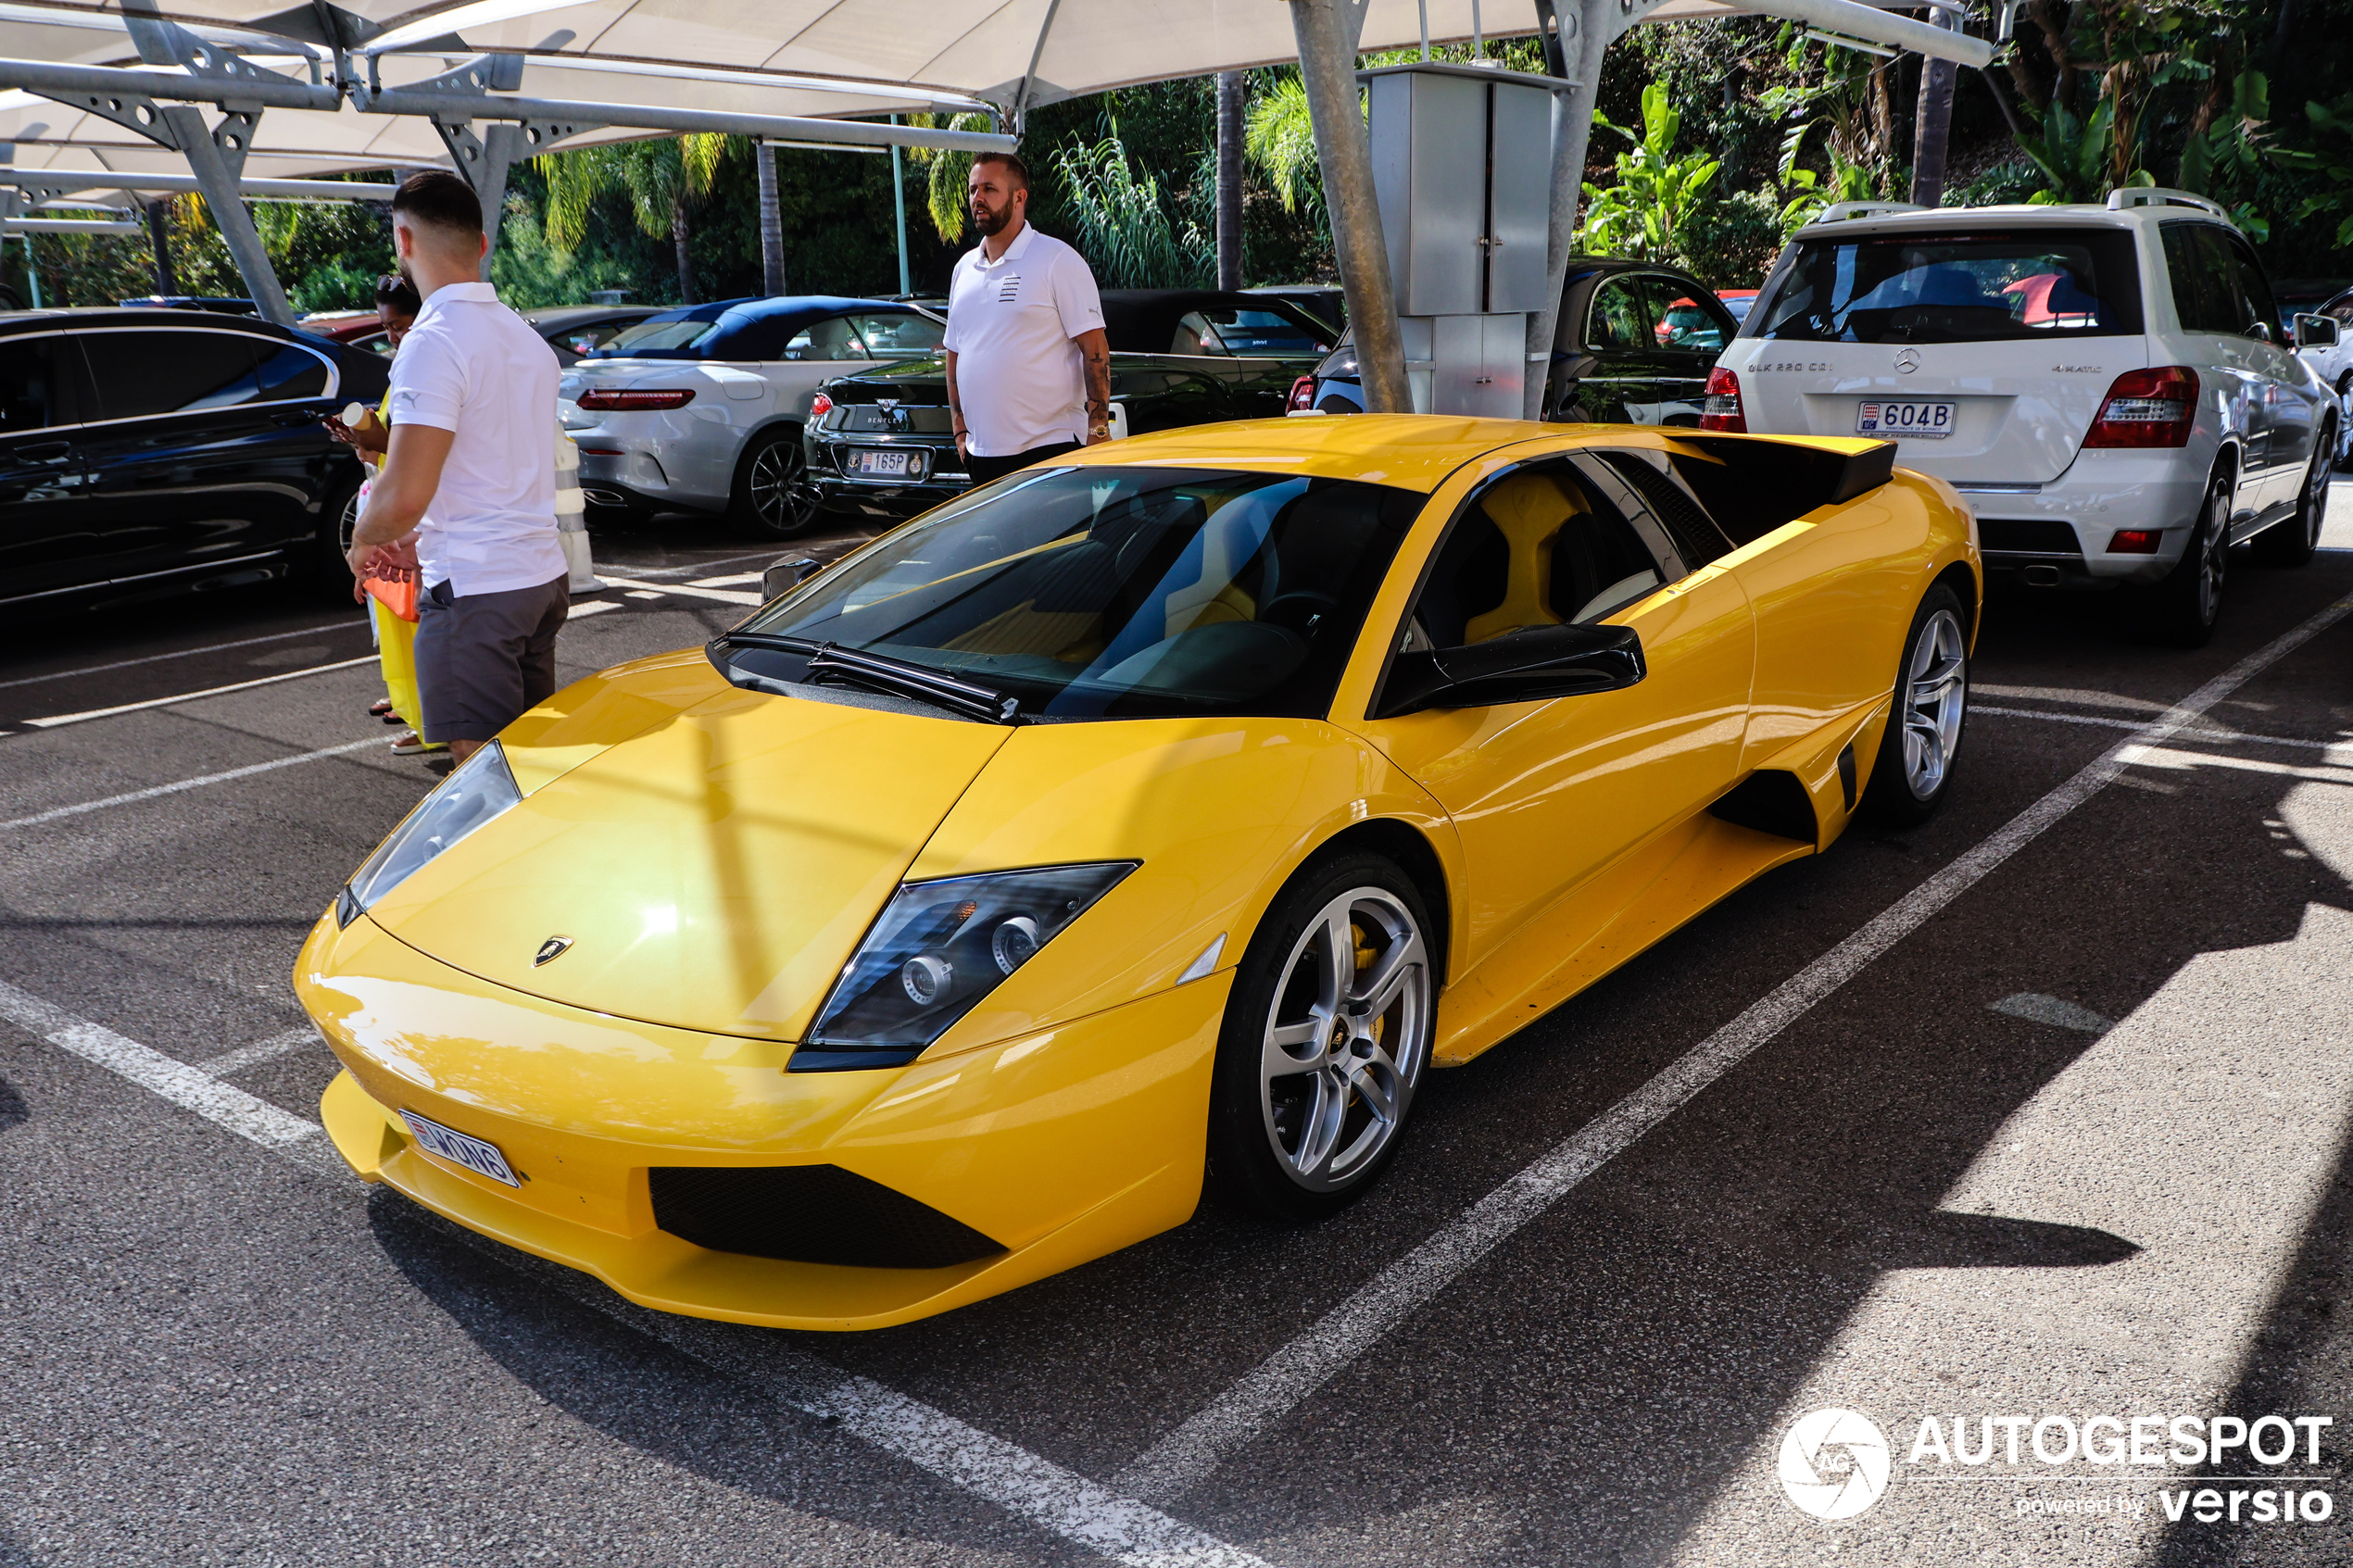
(2316, 332)
(1531, 666)
(784, 576)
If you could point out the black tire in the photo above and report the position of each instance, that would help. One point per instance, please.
(2183, 607)
(2293, 540)
(1261, 1127)
(772, 498)
(325, 565)
(1918, 756)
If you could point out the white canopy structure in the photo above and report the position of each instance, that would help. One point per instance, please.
(320, 87)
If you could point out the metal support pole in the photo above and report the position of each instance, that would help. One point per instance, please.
(501, 145)
(898, 212)
(1328, 65)
(772, 222)
(1232, 88)
(1587, 27)
(208, 161)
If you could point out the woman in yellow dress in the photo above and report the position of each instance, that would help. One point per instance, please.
(397, 306)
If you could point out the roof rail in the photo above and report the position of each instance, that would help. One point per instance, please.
(1837, 212)
(2130, 196)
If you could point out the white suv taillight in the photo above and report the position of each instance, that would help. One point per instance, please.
(2147, 408)
(1722, 410)
(1303, 396)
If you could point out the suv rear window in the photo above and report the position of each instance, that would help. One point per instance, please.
(1980, 287)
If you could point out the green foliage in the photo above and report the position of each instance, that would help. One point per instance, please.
(1279, 137)
(1639, 215)
(1730, 242)
(1124, 224)
(529, 272)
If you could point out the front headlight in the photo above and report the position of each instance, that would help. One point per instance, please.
(482, 788)
(937, 950)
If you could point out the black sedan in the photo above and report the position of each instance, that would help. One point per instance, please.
(879, 443)
(1634, 345)
(147, 451)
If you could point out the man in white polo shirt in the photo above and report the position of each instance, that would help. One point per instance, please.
(473, 423)
(1028, 366)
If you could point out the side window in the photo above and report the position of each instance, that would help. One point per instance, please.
(2199, 269)
(1695, 323)
(141, 373)
(896, 336)
(1660, 493)
(290, 374)
(30, 396)
(1539, 546)
(2253, 291)
(1196, 333)
(832, 339)
(1620, 316)
(2342, 309)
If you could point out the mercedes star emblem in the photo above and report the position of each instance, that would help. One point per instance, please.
(1908, 360)
(550, 951)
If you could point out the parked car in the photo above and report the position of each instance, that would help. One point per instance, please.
(701, 409)
(2107, 384)
(1326, 302)
(2332, 362)
(928, 933)
(572, 330)
(882, 445)
(148, 450)
(1633, 346)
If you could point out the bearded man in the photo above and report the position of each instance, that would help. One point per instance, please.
(1028, 366)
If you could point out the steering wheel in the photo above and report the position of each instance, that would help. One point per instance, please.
(1295, 610)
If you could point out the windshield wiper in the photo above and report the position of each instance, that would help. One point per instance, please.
(831, 664)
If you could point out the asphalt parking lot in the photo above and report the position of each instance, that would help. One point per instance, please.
(2043, 1108)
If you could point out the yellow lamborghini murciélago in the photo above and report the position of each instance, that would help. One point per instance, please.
(1164, 812)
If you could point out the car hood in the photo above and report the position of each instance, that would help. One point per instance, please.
(714, 855)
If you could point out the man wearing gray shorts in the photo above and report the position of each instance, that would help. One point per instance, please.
(473, 422)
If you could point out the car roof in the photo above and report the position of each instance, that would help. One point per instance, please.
(565, 315)
(753, 307)
(1138, 316)
(1961, 219)
(144, 316)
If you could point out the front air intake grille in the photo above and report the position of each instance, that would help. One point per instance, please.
(2027, 536)
(809, 1214)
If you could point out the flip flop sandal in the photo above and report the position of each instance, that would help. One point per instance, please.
(381, 707)
(414, 745)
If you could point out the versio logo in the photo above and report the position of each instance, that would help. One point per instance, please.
(1835, 1464)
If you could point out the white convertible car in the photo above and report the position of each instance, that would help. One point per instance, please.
(700, 410)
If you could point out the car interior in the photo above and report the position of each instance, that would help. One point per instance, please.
(1538, 548)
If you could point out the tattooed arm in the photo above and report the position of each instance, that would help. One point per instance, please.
(1094, 351)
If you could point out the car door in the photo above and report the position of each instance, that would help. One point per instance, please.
(207, 450)
(2210, 305)
(1692, 328)
(50, 538)
(2289, 414)
(1619, 377)
(1545, 796)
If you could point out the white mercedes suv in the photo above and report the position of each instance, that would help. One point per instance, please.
(2105, 384)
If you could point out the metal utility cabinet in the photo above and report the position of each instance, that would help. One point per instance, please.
(1462, 167)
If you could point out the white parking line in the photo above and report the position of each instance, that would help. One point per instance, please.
(52, 723)
(327, 630)
(1188, 1455)
(268, 1049)
(55, 813)
(2195, 731)
(1021, 1482)
(685, 590)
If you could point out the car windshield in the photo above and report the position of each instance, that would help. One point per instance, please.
(657, 334)
(1090, 593)
(1960, 288)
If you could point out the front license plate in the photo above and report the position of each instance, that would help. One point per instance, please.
(1927, 421)
(884, 462)
(447, 1143)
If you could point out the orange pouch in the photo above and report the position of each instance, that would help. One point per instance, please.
(398, 598)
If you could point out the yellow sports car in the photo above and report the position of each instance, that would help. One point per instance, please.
(1164, 812)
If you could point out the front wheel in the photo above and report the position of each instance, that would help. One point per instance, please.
(1326, 1033)
(1914, 770)
(2292, 541)
(773, 497)
(2344, 419)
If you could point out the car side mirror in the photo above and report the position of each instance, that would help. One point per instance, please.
(2316, 332)
(1531, 666)
(784, 576)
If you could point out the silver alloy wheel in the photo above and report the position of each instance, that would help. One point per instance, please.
(778, 483)
(2316, 486)
(2345, 417)
(2213, 556)
(1345, 1039)
(1936, 697)
(348, 524)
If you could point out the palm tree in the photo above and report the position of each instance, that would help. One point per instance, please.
(663, 178)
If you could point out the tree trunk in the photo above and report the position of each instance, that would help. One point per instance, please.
(1232, 87)
(678, 238)
(159, 232)
(772, 222)
(1932, 130)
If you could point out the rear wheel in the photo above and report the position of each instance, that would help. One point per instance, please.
(325, 565)
(1914, 769)
(2292, 541)
(1326, 1033)
(773, 497)
(2183, 607)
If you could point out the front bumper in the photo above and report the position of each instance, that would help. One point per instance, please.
(1061, 1146)
(2058, 533)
